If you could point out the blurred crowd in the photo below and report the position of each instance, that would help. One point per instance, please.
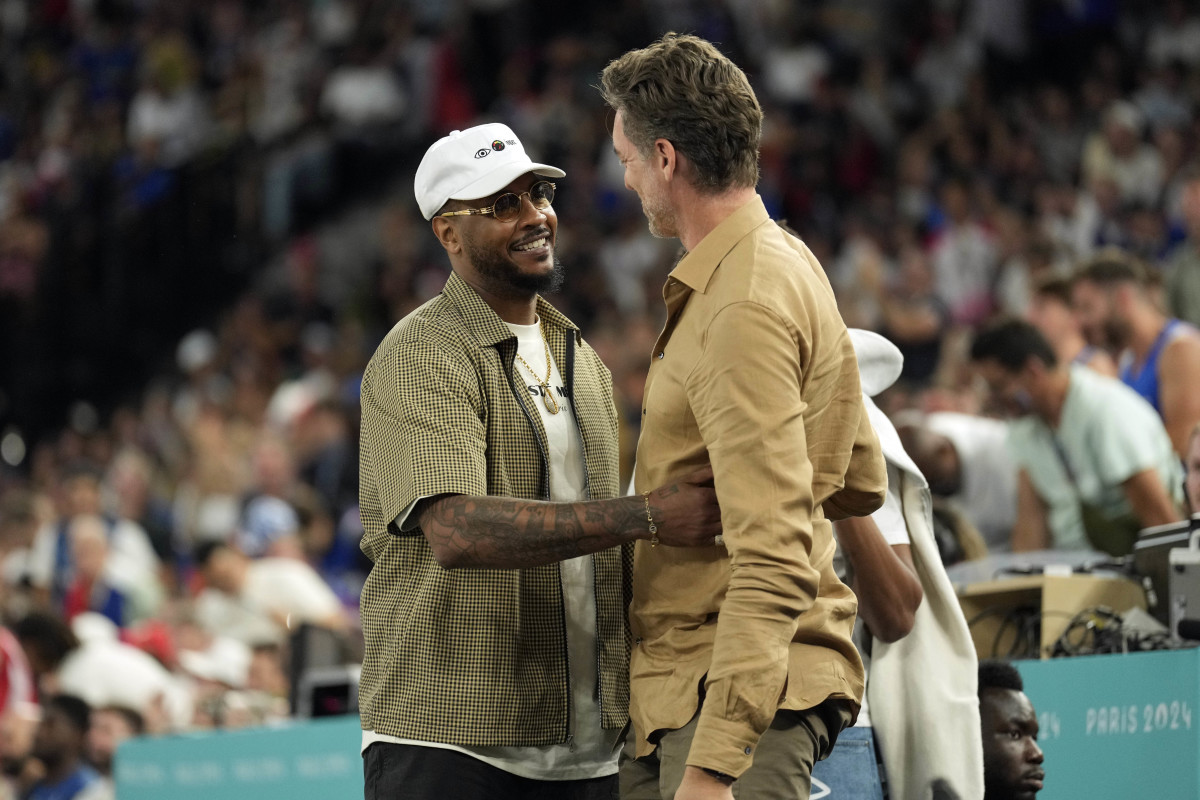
(947, 161)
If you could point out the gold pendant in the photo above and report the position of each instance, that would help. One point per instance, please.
(548, 399)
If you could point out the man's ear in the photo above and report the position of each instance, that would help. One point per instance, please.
(447, 235)
(1034, 368)
(664, 158)
(1123, 295)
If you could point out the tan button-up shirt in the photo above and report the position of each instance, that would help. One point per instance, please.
(754, 372)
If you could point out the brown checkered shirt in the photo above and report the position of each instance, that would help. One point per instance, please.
(476, 657)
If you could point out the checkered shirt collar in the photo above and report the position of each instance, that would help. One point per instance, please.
(485, 324)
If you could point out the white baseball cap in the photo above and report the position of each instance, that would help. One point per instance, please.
(470, 164)
(879, 361)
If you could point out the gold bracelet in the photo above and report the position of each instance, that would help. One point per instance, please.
(650, 519)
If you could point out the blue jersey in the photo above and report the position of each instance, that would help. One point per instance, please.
(1143, 378)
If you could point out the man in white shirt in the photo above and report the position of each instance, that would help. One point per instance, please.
(258, 601)
(131, 566)
(963, 457)
(917, 648)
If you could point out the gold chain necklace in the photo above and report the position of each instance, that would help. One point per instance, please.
(544, 383)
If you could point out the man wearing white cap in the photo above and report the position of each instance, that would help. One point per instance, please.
(494, 616)
(921, 666)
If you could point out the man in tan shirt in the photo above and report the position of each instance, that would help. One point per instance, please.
(742, 652)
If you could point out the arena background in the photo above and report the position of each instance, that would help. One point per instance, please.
(207, 224)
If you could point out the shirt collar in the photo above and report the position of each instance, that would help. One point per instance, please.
(485, 323)
(696, 268)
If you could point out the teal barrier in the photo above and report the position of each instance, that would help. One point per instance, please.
(1118, 726)
(1121, 726)
(320, 759)
(317, 759)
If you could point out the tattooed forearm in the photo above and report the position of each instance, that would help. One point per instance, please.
(505, 533)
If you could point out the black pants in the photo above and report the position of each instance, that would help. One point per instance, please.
(412, 772)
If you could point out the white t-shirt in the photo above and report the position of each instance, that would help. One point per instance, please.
(988, 495)
(591, 751)
(131, 559)
(1108, 434)
(107, 672)
(889, 519)
(285, 587)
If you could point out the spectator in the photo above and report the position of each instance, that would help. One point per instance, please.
(1118, 153)
(963, 458)
(130, 563)
(1051, 313)
(19, 712)
(794, 68)
(1192, 465)
(878, 548)
(218, 669)
(110, 726)
(89, 589)
(964, 257)
(269, 525)
(97, 667)
(1059, 134)
(168, 113)
(1070, 217)
(1174, 36)
(913, 316)
(1183, 266)
(288, 59)
(19, 523)
(46, 641)
(1160, 356)
(363, 92)
(1095, 464)
(1012, 760)
(326, 454)
(949, 59)
(911, 615)
(258, 601)
(59, 745)
(207, 507)
(130, 480)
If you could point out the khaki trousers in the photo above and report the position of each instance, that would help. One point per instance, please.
(783, 762)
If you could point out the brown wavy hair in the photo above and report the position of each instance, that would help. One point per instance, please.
(1112, 266)
(684, 90)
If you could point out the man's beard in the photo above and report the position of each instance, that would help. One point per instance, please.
(661, 217)
(503, 273)
(1116, 333)
(944, 484)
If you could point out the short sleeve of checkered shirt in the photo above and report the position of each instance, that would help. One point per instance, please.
(423, 433)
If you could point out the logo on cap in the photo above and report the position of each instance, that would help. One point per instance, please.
(482, 153)
(497, 145)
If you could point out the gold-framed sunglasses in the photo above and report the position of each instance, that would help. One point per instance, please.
(508, 205)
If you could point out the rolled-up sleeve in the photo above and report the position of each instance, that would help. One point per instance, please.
(866, 483)
(746, 396)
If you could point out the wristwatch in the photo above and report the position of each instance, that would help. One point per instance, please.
(721, 776)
